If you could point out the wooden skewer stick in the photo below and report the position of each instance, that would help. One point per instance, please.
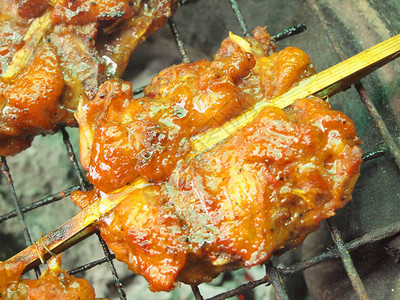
(75, 229)
(32, 38)
(323, 84)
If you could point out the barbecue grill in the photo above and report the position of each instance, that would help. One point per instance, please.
(362, 241)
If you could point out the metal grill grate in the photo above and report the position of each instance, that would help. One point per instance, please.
(273, 275)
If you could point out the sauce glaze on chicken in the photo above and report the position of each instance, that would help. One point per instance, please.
(259, 192)
(71, 48)
(122, 138)
(54, 283)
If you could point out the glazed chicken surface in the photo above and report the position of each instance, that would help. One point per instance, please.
(54, 283)
(122, 138)
(259, 192)
(53, 53)
(263, 190)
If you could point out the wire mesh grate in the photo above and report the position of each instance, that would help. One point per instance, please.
(274, 274)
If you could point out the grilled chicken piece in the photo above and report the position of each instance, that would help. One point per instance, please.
(259, 192)
(52, 56)
(122, 138)
(54, 283)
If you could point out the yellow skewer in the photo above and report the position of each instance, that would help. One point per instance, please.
(32, 38)
(323, 84)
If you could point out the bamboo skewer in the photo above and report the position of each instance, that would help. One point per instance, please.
(32, 38)
(35, 34)
(323, 84)
(75, 229)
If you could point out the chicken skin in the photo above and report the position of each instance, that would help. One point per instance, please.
(54, 283)
(54, 53)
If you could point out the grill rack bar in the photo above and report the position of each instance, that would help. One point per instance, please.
(370, 238)
(348, 262)
(239, 17)
(380, 124)
(20, 216)
(45, 201)
(6, 172)
(275, 278)
(73, 160)
(296, 29)
(90, 265)
(365, 98)
(178, 40)
(196, 292)
(109, 259)
(373, 237)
